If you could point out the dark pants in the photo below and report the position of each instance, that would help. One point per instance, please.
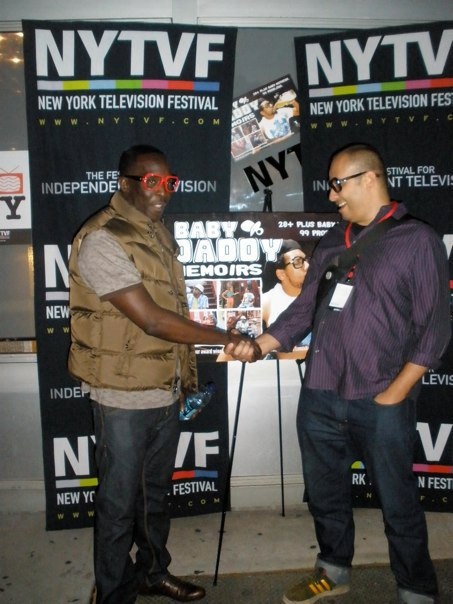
(135, 455)
(335, 432)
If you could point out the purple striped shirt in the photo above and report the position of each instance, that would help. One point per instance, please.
(398, 311)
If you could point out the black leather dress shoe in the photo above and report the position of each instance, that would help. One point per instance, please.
(175, 588)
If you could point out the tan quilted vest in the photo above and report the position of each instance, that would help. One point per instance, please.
(107, 349)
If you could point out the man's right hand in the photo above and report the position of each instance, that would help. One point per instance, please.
(248, 350)
(243, 349)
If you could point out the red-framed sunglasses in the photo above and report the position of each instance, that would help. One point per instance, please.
(151, 181)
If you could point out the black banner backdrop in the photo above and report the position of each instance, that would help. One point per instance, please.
(392, 88)
(94, 89)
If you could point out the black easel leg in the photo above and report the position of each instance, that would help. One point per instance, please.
(228, 478)
(299, 366)
(280, 436)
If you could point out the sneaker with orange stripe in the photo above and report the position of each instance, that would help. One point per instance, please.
(313, 588)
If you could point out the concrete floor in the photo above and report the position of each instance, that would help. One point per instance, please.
(55, 567)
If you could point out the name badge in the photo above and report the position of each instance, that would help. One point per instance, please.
(340, 296)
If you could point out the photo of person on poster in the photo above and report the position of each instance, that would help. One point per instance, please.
(229, 295)
(196, 298)
(290, 271)
(248, 298)
(264, 116)
(276, 117)
(240, 144)
(247, 322)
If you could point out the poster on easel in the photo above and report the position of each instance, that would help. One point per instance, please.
(234, 270)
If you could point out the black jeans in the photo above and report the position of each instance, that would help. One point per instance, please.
(135, 455)
(333, 433)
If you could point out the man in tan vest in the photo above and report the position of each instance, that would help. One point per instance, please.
(131, 347)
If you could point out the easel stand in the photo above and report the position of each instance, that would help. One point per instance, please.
(267, 207)
(228, 478)
(280, 436)
(231, 459)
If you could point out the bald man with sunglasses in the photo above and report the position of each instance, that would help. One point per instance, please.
(384, 322)
(131, 347)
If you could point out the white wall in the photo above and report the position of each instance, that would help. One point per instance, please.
(21, 464)
(253, 13)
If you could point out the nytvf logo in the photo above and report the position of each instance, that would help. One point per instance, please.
(73, 457)
(401, 54)
(56, 266)
(56, 283)
(142, 51)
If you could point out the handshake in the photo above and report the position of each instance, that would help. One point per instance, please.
(243, 348)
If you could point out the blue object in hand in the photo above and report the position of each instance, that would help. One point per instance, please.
(195, 401)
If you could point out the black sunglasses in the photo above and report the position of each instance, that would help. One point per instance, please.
(298, 261)
(337, 183)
